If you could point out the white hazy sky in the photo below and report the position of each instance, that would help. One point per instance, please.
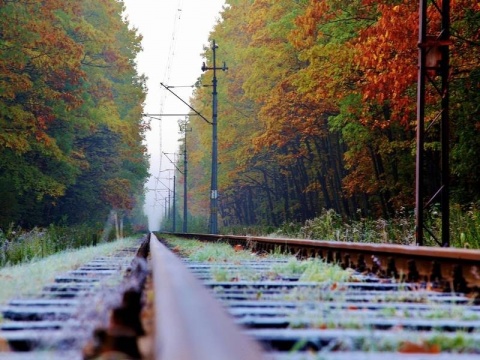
(184, 24)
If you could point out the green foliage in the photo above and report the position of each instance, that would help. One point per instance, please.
(459, 343)
(217, 252)
(202, 251)
(311, 270)
(292, 268)
(252, 230)
(464, 225)
(287, 230)
(466, 149)
(198, 224)
(19, 246)
(314, 115)
(23, 280)
(70, 112)
(325, 226)
(319, 271)
(329, 226)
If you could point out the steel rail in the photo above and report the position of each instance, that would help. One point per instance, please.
(190, 323)
(364, 317)
(456, 269)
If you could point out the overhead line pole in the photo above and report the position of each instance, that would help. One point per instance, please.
(185, 172)
(174, 223)
(174, 227)
(433, 62)
(185, 212)
(214, 185)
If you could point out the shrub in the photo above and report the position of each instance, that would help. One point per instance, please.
(17, 246)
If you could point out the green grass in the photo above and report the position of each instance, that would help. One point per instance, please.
(313, 270)
(199, 251)
(319, 271)
(18, 245)
(330, 277)
(26, 279)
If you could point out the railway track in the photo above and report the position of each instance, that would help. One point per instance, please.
(59, 322)
(446, 269)
(198, 316)
(369, 317)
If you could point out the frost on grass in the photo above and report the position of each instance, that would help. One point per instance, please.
(313, 270)
(28, 279)
(199, 251)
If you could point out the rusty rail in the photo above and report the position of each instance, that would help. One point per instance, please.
(190, 323)
(450, 269)
(296, 319)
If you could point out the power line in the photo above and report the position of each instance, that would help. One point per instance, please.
(191, 108)
(166, 77)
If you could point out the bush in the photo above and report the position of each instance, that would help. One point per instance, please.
(17, 245)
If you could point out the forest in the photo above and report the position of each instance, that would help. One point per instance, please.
(71, 101)
(317, 111)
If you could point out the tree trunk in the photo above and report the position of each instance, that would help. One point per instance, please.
(117, 228)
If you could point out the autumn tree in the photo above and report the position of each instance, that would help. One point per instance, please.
(68, 76)
(318, 109)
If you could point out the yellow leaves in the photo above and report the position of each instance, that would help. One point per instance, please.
(16, 142)
(313, 187)
(45, 132)
(306, 32)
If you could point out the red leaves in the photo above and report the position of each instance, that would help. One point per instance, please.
(110, 56)
(388, 58)
(238, 248)
(408, 347)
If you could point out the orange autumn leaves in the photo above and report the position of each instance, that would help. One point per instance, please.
(386, 55)
(67, 80)
(321, 95)
(374, 57)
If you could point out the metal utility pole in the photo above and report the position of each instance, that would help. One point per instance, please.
(169, 204)
(185, 172)
(214, 185)
(433, 63)
(184, 129)
(174, 207)
(166, 208)
(174, 191)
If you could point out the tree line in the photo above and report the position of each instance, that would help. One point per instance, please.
(318, 110)
(71, 100)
